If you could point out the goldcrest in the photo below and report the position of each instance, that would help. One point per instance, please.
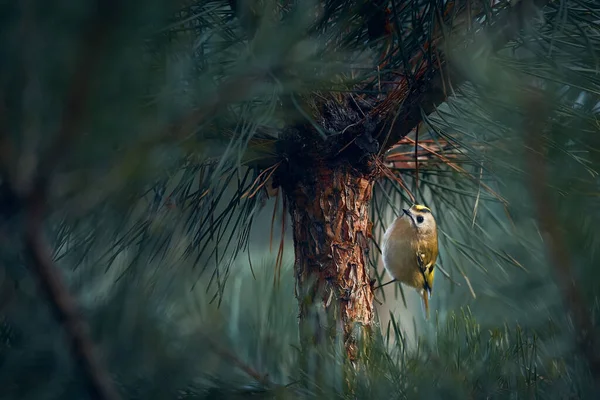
(410, 249)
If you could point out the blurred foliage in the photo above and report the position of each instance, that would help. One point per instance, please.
(154, 207)
(168, 342)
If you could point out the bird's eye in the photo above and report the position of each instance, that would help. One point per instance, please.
(419, 219)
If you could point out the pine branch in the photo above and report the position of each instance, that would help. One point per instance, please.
(429, 89)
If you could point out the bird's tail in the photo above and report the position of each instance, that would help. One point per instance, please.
(425, 294)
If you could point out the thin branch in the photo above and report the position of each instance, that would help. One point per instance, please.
(64, 306)
(428, 90)
(61, 302)
(587, 337)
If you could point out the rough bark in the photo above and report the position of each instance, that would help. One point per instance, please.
(328, 187)
(331, 227)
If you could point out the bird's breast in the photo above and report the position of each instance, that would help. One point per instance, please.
(399, 254)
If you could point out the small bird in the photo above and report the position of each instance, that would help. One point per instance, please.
(410, 249)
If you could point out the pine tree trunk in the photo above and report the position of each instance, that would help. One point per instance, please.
(329, 209)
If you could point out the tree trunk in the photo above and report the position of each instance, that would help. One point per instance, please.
(329, 209)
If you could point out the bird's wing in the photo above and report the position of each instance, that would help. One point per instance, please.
(426, 262)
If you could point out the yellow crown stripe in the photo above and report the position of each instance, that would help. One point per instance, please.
(419, 207)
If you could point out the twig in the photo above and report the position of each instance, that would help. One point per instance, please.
(64, 306)
(61, 302)
(587, 338)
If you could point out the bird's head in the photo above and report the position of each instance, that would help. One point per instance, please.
(421, 219)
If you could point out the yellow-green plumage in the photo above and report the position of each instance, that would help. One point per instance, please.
(410, 250)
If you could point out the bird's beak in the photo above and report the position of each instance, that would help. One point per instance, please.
(409, 215)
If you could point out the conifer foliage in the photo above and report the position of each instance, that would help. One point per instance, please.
(142, 143)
